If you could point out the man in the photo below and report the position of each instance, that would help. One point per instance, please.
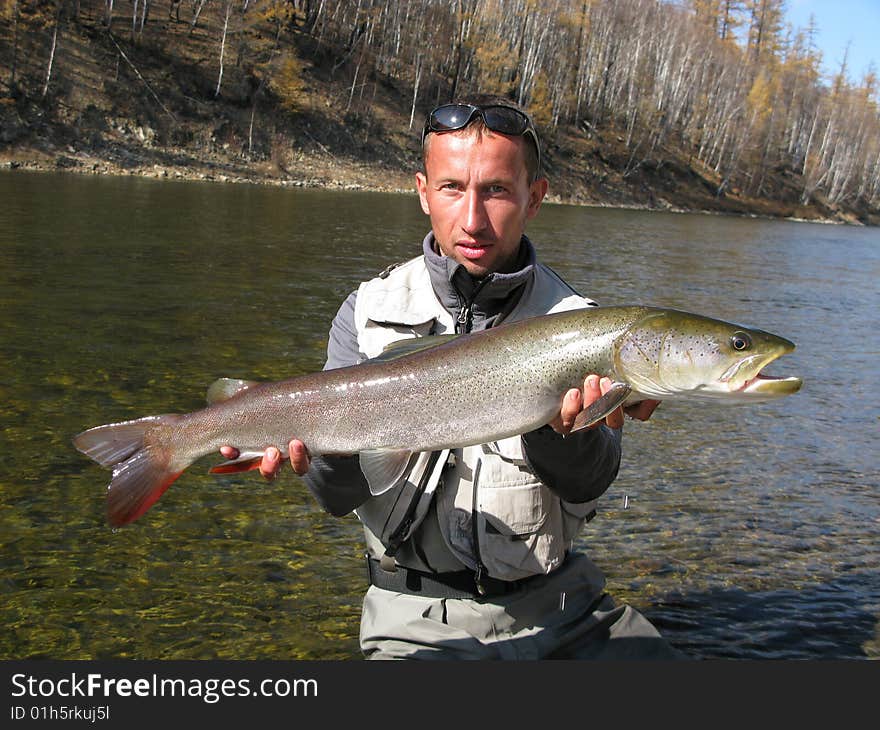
(469, 555)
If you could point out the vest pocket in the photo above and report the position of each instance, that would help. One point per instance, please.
(519, 530)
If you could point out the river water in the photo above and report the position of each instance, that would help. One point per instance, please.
(746, 532)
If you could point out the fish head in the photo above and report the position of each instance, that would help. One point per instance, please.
(670, 352)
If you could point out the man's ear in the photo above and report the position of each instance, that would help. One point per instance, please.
(537, 191)
(422, 187)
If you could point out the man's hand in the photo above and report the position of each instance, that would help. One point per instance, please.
(271, 463)
(575, 401)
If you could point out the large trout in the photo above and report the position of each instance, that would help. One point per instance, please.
(444, 392)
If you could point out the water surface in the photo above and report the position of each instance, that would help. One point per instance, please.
(743, 532)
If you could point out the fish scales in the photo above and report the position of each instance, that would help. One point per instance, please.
(451, 394)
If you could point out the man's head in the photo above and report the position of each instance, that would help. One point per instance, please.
(486, 113)
(481, 181)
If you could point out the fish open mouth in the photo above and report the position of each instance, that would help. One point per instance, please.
(769, 385)
(760, 386)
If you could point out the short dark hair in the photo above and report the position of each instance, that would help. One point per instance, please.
(478, 124)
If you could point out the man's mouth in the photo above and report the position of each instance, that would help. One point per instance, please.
(473, 250)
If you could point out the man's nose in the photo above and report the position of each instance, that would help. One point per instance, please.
(475, 218)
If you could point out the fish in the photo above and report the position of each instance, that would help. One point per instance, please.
(444, 392)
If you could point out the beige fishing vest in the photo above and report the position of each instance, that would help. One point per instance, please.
(521, 528)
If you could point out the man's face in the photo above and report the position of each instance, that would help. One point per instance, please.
(477, 192)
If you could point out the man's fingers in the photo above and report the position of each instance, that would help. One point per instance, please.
(592, 393)
(299, 456)
(594, 388)
(271, 462)
(229, 452)
(615, 418)
(571, 406)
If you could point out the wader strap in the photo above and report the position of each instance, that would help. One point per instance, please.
(400, 534)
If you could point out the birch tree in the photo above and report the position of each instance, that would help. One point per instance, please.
(223, 45)
(58, 17)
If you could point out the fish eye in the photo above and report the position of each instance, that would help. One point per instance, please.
(741, 341)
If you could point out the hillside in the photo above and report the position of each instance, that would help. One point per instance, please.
(122, 103)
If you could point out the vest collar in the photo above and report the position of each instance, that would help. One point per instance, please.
(489, 298)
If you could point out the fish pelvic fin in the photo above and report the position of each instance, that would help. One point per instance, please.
(602, 406)
(383, 468)
(143, 463)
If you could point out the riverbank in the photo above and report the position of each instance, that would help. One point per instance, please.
(310, 172)
(291, 114)
(327, 172)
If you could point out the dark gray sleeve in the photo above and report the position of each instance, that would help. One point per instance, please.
(337, 482)
(577, 468)
(342, 346)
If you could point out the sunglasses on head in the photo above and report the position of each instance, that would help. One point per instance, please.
(498, 118)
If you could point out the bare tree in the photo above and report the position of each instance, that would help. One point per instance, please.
(53, 47)
(223, 45)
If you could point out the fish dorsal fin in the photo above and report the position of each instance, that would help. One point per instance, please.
(224, 388)
(400, 348)
(601, 407)
(383, 468)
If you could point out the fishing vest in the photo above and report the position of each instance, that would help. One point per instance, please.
(494, 514)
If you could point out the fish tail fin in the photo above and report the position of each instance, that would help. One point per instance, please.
(144, 463)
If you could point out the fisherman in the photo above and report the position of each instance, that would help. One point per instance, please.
(470, 556)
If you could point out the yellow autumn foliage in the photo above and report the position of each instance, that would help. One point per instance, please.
(761, 95)
(541, 104)
(287, 82)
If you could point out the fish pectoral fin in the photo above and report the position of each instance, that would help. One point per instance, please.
(246, 461)
(383, 468)
(601, 407)
(224, 388)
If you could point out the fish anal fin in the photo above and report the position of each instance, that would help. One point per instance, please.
(383, 468)
(233, 467)
(602, 406)
(245, 461)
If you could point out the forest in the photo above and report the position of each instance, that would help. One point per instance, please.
(649, 98)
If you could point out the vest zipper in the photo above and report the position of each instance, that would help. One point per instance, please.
(464, 322)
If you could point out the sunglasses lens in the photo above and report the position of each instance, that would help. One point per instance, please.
(505, 120)
(451, 116)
